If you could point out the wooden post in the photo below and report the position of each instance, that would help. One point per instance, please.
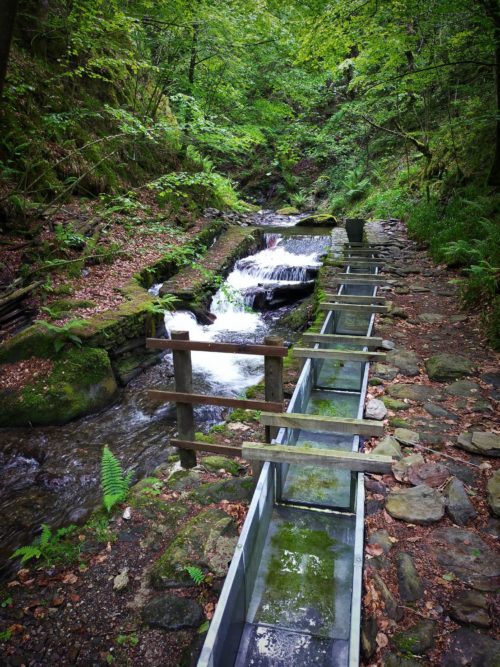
(273, 383)
(273, 380)
(183, 374)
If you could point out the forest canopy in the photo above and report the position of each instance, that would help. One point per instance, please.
(356, 108)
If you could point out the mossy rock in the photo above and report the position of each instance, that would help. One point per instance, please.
(32, 342)
(207, 541)
(288, 210)
(299, 316)
(81, 382)
(397, 422)
(233, 490)
(216, 463)
(319, 220)
(394, 404)
(445, 367)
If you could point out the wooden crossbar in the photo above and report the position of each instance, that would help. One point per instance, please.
(320, 424)
(317, 457)
(203, 399)
(198, 446)
(353, 307)
(207, 346)
(353, 279)
(354, 298)
(356, 262)
(338, 355)
(368, 341)
(365, 276)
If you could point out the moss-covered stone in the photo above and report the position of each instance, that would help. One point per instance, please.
(81, 382)
(216, 463)
(319, 220)
(233, 490)
(207, 541)
(394, 404)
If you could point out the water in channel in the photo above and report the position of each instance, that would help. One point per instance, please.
(51, 474)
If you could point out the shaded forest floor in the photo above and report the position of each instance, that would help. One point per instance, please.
(76, 615)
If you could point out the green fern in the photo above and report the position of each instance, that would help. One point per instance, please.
(27, 553)
(196, 574)
(115, 482)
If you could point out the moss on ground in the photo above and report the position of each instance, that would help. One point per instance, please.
(81, 382)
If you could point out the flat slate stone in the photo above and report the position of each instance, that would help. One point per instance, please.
(385, 371)
(470, 607)
(391, 606)
(400, 468)
(375, 409)
(431, 318)
(458, 505)
(382, 538)
(389, 446)
(405, 360)
(494, 493)
(463, 389)
(419, 393)
(169, 612)
(388, 345)
(406, 437)
(420, 504)
(472, 649)
(437, 411)
(432, 474)
(411, 588)
(444, 367)
(485, 444)
(462, 552)
(417, 639)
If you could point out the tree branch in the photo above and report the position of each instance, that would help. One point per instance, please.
(419, 145)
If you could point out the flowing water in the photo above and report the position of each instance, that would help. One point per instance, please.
(51, 474)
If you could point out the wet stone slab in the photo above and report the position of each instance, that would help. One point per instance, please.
(465, 554)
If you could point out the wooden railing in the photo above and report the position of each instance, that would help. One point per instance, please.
(273, 352)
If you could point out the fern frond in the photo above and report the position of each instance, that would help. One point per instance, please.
(114, 482)
(45, 536)
(27, 553)
(196, 574)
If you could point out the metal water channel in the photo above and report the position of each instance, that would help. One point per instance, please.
(292, 596)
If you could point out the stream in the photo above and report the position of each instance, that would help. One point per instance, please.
(51, 474)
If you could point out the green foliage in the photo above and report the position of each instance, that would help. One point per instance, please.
(53, 548)
(6, 635)
(127, 640)
(196, 574)
(115, 483)
(166, 302)
(64, 334)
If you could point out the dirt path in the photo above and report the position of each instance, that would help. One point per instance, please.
(432, 564)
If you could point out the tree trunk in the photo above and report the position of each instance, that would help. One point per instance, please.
(9, 12)
(493, 12)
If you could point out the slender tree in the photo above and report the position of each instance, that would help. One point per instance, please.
(9, 12)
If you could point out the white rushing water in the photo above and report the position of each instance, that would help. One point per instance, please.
(235, 321)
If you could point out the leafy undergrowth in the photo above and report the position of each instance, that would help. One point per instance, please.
(66, 611)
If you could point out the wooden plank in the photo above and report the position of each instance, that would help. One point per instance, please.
(335, 280)
(353, 307)
(331, 458)
(198, 446)
(204, 399)
(206, 346)
(183, 374)
(364, 276)
(368, 341)
(339, 355)
(354, 298)
(355, 262)
(320, 424)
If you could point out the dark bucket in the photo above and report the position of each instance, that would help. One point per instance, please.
(354, 228)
